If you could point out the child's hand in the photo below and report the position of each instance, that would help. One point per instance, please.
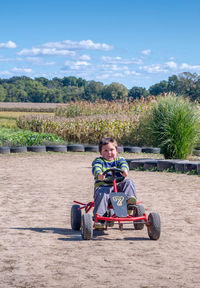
(125, 173)
(101, 177)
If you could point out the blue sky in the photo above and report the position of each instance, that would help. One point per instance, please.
(132, 42)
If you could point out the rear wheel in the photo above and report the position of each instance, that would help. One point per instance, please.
(154, 226)
(75, 217)
(87, 227)
(138, 212)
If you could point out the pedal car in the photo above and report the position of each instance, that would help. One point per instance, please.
(117, 212)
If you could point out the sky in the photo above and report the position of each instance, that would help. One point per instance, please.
(131, 42)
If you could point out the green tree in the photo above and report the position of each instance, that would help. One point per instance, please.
(137, 92)
(159, 88)
(93, 91)
(3, 93)
(115, 91)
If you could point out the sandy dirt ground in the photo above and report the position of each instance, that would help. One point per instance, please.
(39, 249)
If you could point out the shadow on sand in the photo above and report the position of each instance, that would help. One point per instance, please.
(72, 235)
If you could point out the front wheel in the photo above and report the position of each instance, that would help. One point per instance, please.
(75, 217)
(138, 212)
(154, 226)
(87, 227)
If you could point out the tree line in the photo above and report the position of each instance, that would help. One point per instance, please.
(57, 90)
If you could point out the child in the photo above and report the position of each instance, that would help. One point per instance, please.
(109, 159)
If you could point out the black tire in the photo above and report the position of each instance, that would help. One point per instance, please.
(130, 149)
(192, 166)
(136, 164)
(56, 148)
(4, 150)
(76, 148)
(18, 149)
(138, 212)
(196, 152)
(150, 164)
(151, 150)
(86, 226)
(154, 226)
(37, 148)
(166, 164)
(91, 148)
(179, 165)
(75, 217)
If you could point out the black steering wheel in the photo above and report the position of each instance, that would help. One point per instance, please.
(114, 172)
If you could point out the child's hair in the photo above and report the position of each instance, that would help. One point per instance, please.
(105, 141)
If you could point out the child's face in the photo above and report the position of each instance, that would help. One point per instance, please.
(109, 152)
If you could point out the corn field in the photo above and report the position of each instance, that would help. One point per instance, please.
(85, 122)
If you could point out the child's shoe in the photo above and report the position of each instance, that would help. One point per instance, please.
(99, 225)
(131, 201)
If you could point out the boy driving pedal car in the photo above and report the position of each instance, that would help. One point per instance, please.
(109, 159)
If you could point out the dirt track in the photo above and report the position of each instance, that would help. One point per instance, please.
(39, 249)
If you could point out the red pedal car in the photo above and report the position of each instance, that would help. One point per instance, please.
(116, 213)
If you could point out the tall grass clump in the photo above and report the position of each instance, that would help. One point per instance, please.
(173, 124)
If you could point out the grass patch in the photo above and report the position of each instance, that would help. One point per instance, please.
(18, 137)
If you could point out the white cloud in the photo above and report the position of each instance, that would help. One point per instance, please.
(154, 68)
(9, 44)
(118, 75)
(146, 52)
(112, 67)
(103, 76)
(33, 59)
(171, 64)
(111, 59)
(81, 45)
(76, 65)
(23, 70)
(85, 57)
(46, 51)
(84, 63)
(5, 73)
(120, 60)
(39, 61)
(65, 48)
(189, 67)
(5, 59)
(128, 72)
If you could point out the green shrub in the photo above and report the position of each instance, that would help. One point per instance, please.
(173, 124)
(17, 137)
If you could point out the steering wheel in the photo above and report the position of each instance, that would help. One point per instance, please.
(114, 171)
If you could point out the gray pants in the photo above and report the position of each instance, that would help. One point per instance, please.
(101, 195)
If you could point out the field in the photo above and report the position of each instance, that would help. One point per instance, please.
(39, 249)
(28, 107)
